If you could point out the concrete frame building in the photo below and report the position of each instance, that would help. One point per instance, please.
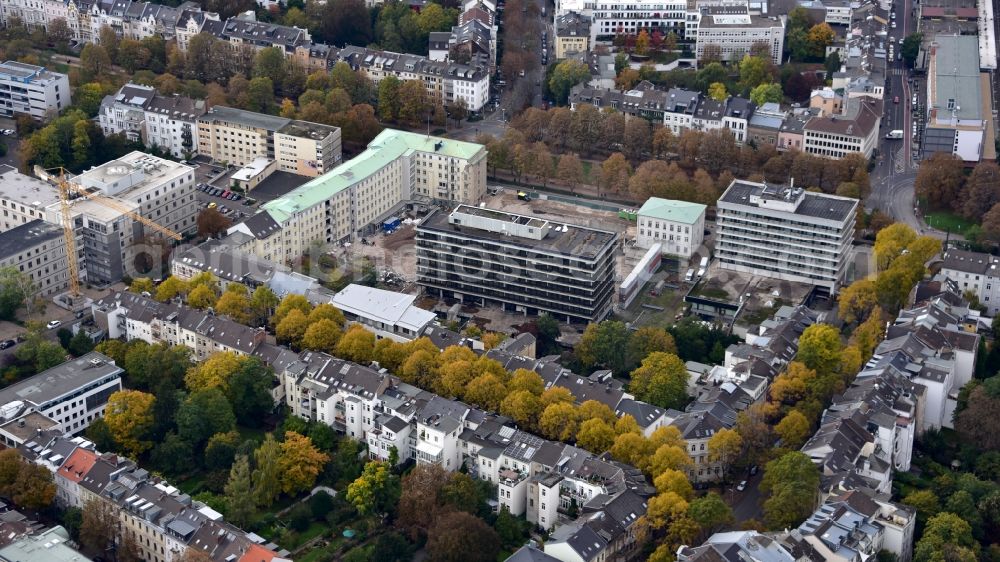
(959, 101)
(521, 263)
(678, 225)
(32, 90)
(836, 136)
(238, 137)
(37, 249)
(162, 190)
(735, 31)
(354, 198)
(785, 233)
(73, 394)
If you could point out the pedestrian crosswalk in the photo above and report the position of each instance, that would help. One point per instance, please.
(896, 71)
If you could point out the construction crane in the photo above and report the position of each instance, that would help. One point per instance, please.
(66, 190)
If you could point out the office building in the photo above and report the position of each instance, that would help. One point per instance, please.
(836, 136)
(521, 263)
(23, 199)
(678, 226)
(733, 32)
(785, 232)
(959, 101)
(73, 394)
(353, 199)
(38, 250)
(161, 189)
(26, 89)
(238, 137)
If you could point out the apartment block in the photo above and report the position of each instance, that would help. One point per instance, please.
(73, 394)
(679, 226)
(733, 31)
(135, 317)
(37, 249)
(162, 521)
(168, 122)
(23, 199)
(238, 137)
(572, 34)
(975, 272)
(521, 263)
(26, 89)
(785, 233)
(447, 81)
(353, 199)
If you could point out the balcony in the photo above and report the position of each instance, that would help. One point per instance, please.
(429, 454)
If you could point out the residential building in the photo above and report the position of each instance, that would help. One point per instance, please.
(785, 233)
(171, 123)
(765, 125)
(354, 199)
(733, 31)
(136, 317)
(827, 101)
(161, 189)
(959, 103)
(386, 313)
(679, 226)
(857, 526)
(125, 112)
(73, 394)
(791, 134)
(611, 17)
(478, 255)
(162, 521)
(572, 34)
(975, 272)
(26, 89)
(238, 137)
(245, 32)
(836, 136)
(737, 545)
(47, 546)
(37, 249)
(447, 81)
(307, 149)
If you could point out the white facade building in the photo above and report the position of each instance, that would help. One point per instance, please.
(679, 226)
(73, 393)
(735, 32)
(977, 273)
(785, 233)
(31, 90)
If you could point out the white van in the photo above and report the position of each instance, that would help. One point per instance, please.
(690, 276)
(704, 263)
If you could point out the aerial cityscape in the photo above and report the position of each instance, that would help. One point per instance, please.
(499, 281)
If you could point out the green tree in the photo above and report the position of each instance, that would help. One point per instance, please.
(754, 71)
(239, 493)
(260, 95)
(710, 512)
(819, 348)
(911, 48)
(270, 63)
(375, 491)
(765, 93)
(94, 60)
(203, 414)
(267, 472)
(793, 429)
(791, 482)
(946, 533)
(595, 435)
(604, 344)
(263, 302)
(173, 454)
(717, 91)
(567, 73)
(249, 392)
(16, 288)
(221, 450)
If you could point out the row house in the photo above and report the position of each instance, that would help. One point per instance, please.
(448, 81)
(676, 108)
(857, 526)
(162, 521)
(131, 316)
(143, 115)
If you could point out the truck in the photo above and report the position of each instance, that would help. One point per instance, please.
(896, 134)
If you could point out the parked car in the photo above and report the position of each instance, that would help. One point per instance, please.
(753, 470)
(53, 324)
(225, 194)
(5, 344)
(742, 486)
(236, 197)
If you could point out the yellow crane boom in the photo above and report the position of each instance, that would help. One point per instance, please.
(65, 189)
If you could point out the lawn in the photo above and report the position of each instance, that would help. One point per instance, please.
(943, 220)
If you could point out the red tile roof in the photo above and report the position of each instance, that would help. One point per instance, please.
(78, 465)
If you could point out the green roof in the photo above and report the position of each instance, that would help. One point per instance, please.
(389, 145)
(671, 210)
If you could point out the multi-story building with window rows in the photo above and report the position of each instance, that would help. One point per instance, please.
(522, 263)
(785, 233)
